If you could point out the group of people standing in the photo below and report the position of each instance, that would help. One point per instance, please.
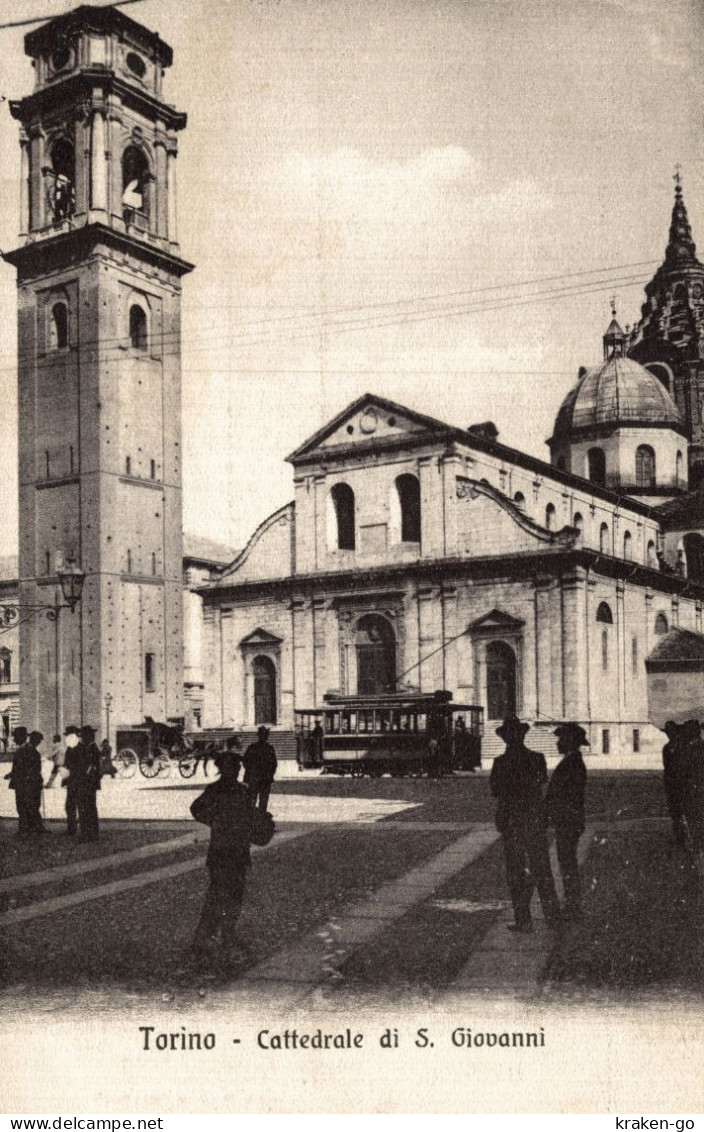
(78, 762)
(523, 815)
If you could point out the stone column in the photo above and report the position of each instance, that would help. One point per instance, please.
(319, 617)
(544, 706)
(621, 649)
(171, 197)
(24, 184)
(98, 165)
(451, 466)
(574, 653)
(302, 651)
(429, 638)
(430, 508)
(321, 522)
(161, 193)
(449, 632)
(37, 196)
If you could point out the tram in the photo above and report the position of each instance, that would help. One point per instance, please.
(388, 734)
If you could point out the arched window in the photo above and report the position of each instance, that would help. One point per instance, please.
(604, 614)
(135, 181)
(520, 500)
(343, 518)
(376, 655)
(500, 680)
(138, 328)
(651, 556)
(645, 466)
(61, 178)
(578, 521)
(679, 470)
(694, 554)
(549, 517)
(627, 545)
(5, 666)
(604, 539)
(408, 489)
(596, 464)
(58, 327)
(661, 626)
(264, 675)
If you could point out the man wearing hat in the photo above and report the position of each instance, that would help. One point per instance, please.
(25, 779)
(564, 803)
(674, 780)
(226, 806)
(72, 737)
(517, 779)
(83, 764)
(259, 768)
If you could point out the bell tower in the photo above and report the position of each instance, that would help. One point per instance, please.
(99, 293)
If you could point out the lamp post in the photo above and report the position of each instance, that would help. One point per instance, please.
(71, 579)
(108, 705)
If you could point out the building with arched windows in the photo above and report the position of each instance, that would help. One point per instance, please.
(416, 556)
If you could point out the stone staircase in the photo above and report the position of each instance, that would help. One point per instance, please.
(539, 738)
(283, 741)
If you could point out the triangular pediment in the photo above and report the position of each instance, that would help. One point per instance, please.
(370, 418)
(496, 621)
(260, 637)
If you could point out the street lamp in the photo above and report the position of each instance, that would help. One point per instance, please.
(71, 579)
(108, 705)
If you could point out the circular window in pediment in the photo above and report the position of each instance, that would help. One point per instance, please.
(136, 64)
(368, 421)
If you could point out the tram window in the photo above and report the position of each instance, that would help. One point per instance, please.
(382, 721)
(395, 720)
(345, 723)
(422, 721)
(332, 722)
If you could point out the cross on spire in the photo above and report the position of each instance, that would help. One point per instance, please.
(613, 305)
(677, 178)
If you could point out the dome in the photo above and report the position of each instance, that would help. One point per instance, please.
(619, 392)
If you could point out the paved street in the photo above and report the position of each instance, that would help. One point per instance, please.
(385, 891)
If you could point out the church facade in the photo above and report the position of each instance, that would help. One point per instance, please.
(418, 556)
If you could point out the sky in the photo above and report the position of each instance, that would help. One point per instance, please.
(432, 200)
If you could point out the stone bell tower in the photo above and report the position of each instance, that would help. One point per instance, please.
(99, 294)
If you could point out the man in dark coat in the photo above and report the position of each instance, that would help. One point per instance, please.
(25, 779)
(83, 764)
(564, 804)
(226, 806)
(73, 738)
(259, 768)
(692, 755)
(672, 765)
(517, 779)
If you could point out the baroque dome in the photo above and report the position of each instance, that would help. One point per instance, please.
(618, 392)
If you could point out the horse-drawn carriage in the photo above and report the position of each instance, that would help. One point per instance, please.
(154, 748)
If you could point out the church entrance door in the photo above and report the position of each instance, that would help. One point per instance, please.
(500, 680)
(376, 656)
(264, 672)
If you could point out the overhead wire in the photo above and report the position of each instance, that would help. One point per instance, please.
(57, 15)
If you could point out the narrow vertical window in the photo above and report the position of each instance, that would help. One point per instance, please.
(605, 741)
(152, 469)
(149, 671)
(636, 740)
(604, 650)
(58, 327)
(129, 561)
(47, 464)
(128, 465)
(138, 328)
(596, 463)
(679, 470)
(645, 466)
(48, 561)
(634, 656)
(408, 489)
(549, 517)
(343, 517)
(153, 563)
(70, 457)
(627, 552)
(603, 539)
